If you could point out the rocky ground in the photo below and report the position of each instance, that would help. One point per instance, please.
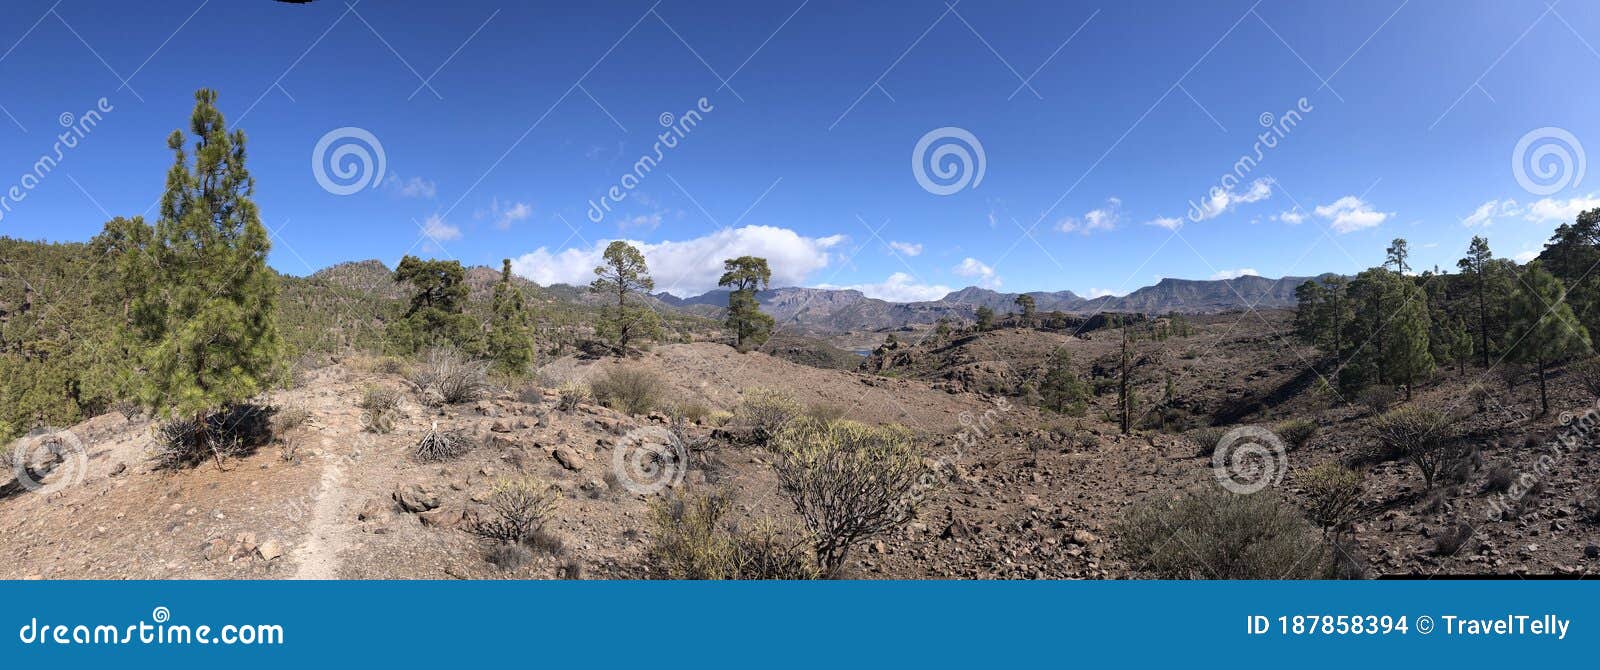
(1028, 495)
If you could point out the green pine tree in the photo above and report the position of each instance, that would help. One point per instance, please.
(208, 312)
(1062, 390)
(985, 318)
(1407, 355)
(1543, 328)
(1029, 308)
(510, 330)
(625, 276)
(436, 315)
(745, 276)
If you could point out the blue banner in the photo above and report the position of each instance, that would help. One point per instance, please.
(777, 624)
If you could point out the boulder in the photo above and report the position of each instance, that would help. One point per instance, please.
(415, 499)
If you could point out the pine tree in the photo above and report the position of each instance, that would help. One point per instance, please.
(985, 318)
(511, 330)
(209, 313)
(1029, 308)
(436, 315)
(1407, 358)
(1310, 314)
(1573, 256)
(1543, 328)
(1396, 256)
(1061, 390)
(1476, 264)
(1125, 399)
(745, 276)
(625, 276)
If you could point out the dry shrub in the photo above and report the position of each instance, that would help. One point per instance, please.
(437, 445)
(449, 376)
(1206, 439)
(380, 409)
(694, 542)
(1377, 398)
(520, 507)
(1500, 478)
(1588, 374)
(1333, 495)
(1297, 433)
(1419, 436)
(691, 411)
(764, 412)
(1453, 539)
(824, 411)
(572, 395)
(236, 431)
(1210, 533)
(508, 557)
(530, 394)
(848, 482)
(628, 390)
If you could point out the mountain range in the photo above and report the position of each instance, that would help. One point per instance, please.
(821, 311)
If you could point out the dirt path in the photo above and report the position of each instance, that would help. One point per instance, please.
(318, 556)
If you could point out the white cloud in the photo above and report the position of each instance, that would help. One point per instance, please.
(1103, 292)
(503, 214)
(415, 187)
(691, 267)
(972, 267)
(1350, 214)
(1168, 222)
(906, 248)
(439, 230)
(1293, 217)
(1525, 256)
(645, 222)
(1095, 220)
(1235, 274)
(1547, 210)
(1221, 201)
(899, 287)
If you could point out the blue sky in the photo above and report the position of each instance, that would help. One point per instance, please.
(1130, 112)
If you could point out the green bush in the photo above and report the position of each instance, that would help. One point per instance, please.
(572, 394)
(520, 507)
(1333, 494)
(1420, 436)
(1210, 533)
(764, 412)
(694, 542)
(1297, 433)
(628, 390)
(848, 482)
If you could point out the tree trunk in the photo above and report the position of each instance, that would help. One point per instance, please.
(1544, 399)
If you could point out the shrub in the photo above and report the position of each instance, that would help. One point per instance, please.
(236, 431)
(848, 482)
(1377, 398)
(1416, 434)
(289, 417)
(1453, 539)
(530, 394)
(542, 541)
(449, 376)
(693, 542)
(1206, 439)
(1209, 533)
(1297, 433)
(571, 395)
(1333, 494)
(1500, 478)
(380, 408)
(764, 412)
(508, 557)
(692, 412)
(437, 445)
(1588, 374)
(519, 507)
(823, 411)
(690, 542)
(628, 390)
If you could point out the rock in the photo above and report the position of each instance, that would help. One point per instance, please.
(878, 547)
(568, 458)
(246, 541)
(442, 517)
(372, 510)
(500, 426)
(1591, 551)
(270, 550)
(415, 499)
(121, 468)
(1084, 537)
(215, 549)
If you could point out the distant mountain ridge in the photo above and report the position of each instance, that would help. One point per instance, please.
(833, 311)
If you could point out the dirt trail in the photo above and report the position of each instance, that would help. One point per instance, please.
(318, 556)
